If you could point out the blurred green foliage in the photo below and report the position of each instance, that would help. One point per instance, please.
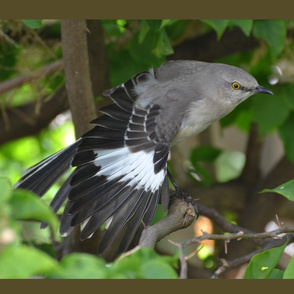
(22, 257)
(18, 155)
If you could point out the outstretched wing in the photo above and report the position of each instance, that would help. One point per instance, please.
(120, 172)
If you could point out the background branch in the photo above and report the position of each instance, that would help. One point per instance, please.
(207, 47)
(229, 265)
(37, 74)
(272, 237)
(24, 120)
(77, 74)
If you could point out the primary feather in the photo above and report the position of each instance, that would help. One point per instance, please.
(120, 167)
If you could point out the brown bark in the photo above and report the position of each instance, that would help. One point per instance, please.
(25, 120)
(98, 60)
(77, 74)
(19, 81)
(86, 72)
(180, 215)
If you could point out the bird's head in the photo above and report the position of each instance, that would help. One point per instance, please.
(236, 84)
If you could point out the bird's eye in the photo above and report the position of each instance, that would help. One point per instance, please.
(236, 86)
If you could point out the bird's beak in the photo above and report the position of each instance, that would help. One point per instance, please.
(260, 89)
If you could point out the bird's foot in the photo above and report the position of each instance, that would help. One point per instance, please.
(179, 193)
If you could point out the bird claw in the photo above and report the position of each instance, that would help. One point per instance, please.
(179, 193)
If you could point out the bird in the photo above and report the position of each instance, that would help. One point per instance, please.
(120, 170)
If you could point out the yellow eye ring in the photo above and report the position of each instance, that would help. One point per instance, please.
(236, 86)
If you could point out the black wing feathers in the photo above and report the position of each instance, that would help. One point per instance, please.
(146, 211)
(111, 182)
(43, 175)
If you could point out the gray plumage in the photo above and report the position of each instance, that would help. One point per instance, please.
(193, 94)
(121, 164)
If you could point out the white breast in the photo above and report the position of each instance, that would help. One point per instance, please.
(200, 115)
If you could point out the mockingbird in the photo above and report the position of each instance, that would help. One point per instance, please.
(121, 164)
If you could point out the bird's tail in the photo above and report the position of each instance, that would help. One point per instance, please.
(40, 177)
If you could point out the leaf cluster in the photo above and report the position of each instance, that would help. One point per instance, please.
(22, 257)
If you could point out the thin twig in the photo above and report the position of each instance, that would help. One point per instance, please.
(228, 265)
(19, 81)
(183, 260)
(240, 235)
(220, 220)
(184, 265)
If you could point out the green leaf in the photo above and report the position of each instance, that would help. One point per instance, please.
(204, 153)
(154, 25)
(158, 269)
(163, 46)
(128, 267)
(159, 214)
(5, 188)
(33, 23)
(144, 29)
(244, 121)
(201, 175)
(286, 93)
(287, 190)
(9, 56)
(244, 24)
(276, 274)
(261, 265)
(198, 157)
(287, 136)
(27, 206)
(167, 22)
(274, 32)
(21, 262)
(123, 67)
(142, 265)
(229, 165)
(241, 116)
(219, 25)
(121, 23)
(177, 29)
(268, 112)
(289, 272)
(81, 266)
(144, 52)
(112, 27)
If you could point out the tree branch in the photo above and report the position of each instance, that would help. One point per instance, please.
(83, 81)
(180, 215)
(77, 74)
(207, 47)
(98, 60)
(239, 235)
(37, 74)
(228, 265)
(24, 120)
(251, 171)
(220, 220)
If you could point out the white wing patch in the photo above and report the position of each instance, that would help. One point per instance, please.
(137, 167)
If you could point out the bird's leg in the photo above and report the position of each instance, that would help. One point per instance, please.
(181, 194)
